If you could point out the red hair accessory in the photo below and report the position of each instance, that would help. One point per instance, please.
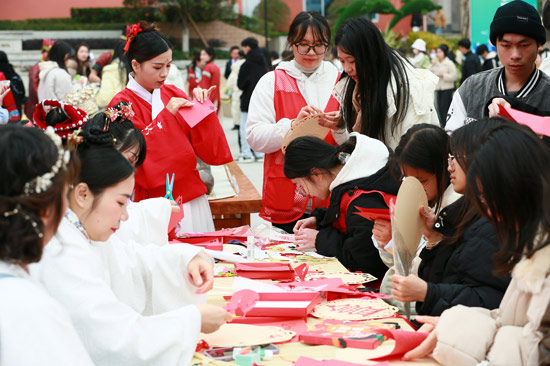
(131, 33)
(76, 117)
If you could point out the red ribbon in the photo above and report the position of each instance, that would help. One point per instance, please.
(131, 33)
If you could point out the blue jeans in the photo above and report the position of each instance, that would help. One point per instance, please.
(246, 151)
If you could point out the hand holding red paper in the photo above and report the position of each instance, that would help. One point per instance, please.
(494, 107)
(539, 125)
(428, 345)
(175, 104)
(381, 231)
(212, 317)
(201, 274)
(200, 94)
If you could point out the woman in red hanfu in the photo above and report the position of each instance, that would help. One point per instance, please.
(172, 145)
(210, 74)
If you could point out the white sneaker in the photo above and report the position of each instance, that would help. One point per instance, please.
(243, 159)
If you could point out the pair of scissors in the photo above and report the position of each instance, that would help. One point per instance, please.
(170, 187)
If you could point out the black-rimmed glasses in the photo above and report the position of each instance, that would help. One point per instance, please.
(303, 49)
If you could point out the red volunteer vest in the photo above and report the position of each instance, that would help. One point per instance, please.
(280, 202)
(348, 198)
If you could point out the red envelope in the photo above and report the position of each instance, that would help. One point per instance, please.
(266, 271)
(193, 115)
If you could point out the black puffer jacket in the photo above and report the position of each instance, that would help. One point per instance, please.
(354, 249)
(461, 273)
(250, 73)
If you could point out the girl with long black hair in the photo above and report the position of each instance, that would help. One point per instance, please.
(381, 94)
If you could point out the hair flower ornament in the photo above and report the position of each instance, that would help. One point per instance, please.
(343, 157)
(120, 112)
(131, 33)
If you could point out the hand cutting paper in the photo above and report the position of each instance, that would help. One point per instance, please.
(242, 302)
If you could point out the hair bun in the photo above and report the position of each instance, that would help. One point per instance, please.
(96, 136)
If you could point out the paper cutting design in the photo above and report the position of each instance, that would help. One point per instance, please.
(354, 309)
(238, 335)
(348, 278)
(308, 126)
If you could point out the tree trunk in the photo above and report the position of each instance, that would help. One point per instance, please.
(465, 19)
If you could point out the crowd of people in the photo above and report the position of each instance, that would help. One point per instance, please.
(85, 265)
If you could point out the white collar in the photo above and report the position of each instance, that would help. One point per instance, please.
(13, 269)
(152, 98)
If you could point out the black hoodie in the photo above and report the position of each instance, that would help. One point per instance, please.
(354, 249)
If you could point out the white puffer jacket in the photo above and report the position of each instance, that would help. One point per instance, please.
(55, 83)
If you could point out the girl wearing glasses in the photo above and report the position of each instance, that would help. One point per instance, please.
(508, 182)
(383, 95)
(456, 263)
(296, 89)
(354, 175)
(421, 153)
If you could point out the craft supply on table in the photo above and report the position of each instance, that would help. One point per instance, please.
(240, 335)
(354, 309)
(276, 304)
(349, 278)
(269, 271)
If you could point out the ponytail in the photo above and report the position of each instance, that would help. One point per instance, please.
(307, 152)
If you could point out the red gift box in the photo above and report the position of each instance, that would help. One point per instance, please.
(266, 271)
(273, 305)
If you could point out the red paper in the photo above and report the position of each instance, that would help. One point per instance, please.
(238, 233)
(301, 271)
(269, 271)
(373, 214)
(539, 125)
(196, 113)
(404, 342)
(366, 341)
(313, 298)
(206, 243)
(242, 302)
(175, 218)
(306, 361)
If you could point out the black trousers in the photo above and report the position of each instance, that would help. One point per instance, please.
(443, 100)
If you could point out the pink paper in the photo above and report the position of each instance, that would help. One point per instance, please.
(539, 125)
(404, 341)
(306, 361)
(196, 113)
(175, 218)
(241, 231)
(301, 271)
(242, 302)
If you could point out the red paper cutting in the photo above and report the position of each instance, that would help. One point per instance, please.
(270, 271)
(175, 218)
(404, 342)
(301, 271)
(539, 125)
(197, 112)
(373, 214)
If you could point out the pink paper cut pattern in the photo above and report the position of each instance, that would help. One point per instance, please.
(539, 125)
(242, 302)
(301, 271)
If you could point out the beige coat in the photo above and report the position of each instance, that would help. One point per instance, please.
(421, 108)
(510, 335)
(446, 71)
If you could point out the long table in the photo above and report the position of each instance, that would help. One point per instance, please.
(290, 352)
(235, 211)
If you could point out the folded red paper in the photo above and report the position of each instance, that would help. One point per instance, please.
(373, 214)
(539, 125)
(206, 243)
(196, 113)
(266, 271)
(284, 304)
(366, 341)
